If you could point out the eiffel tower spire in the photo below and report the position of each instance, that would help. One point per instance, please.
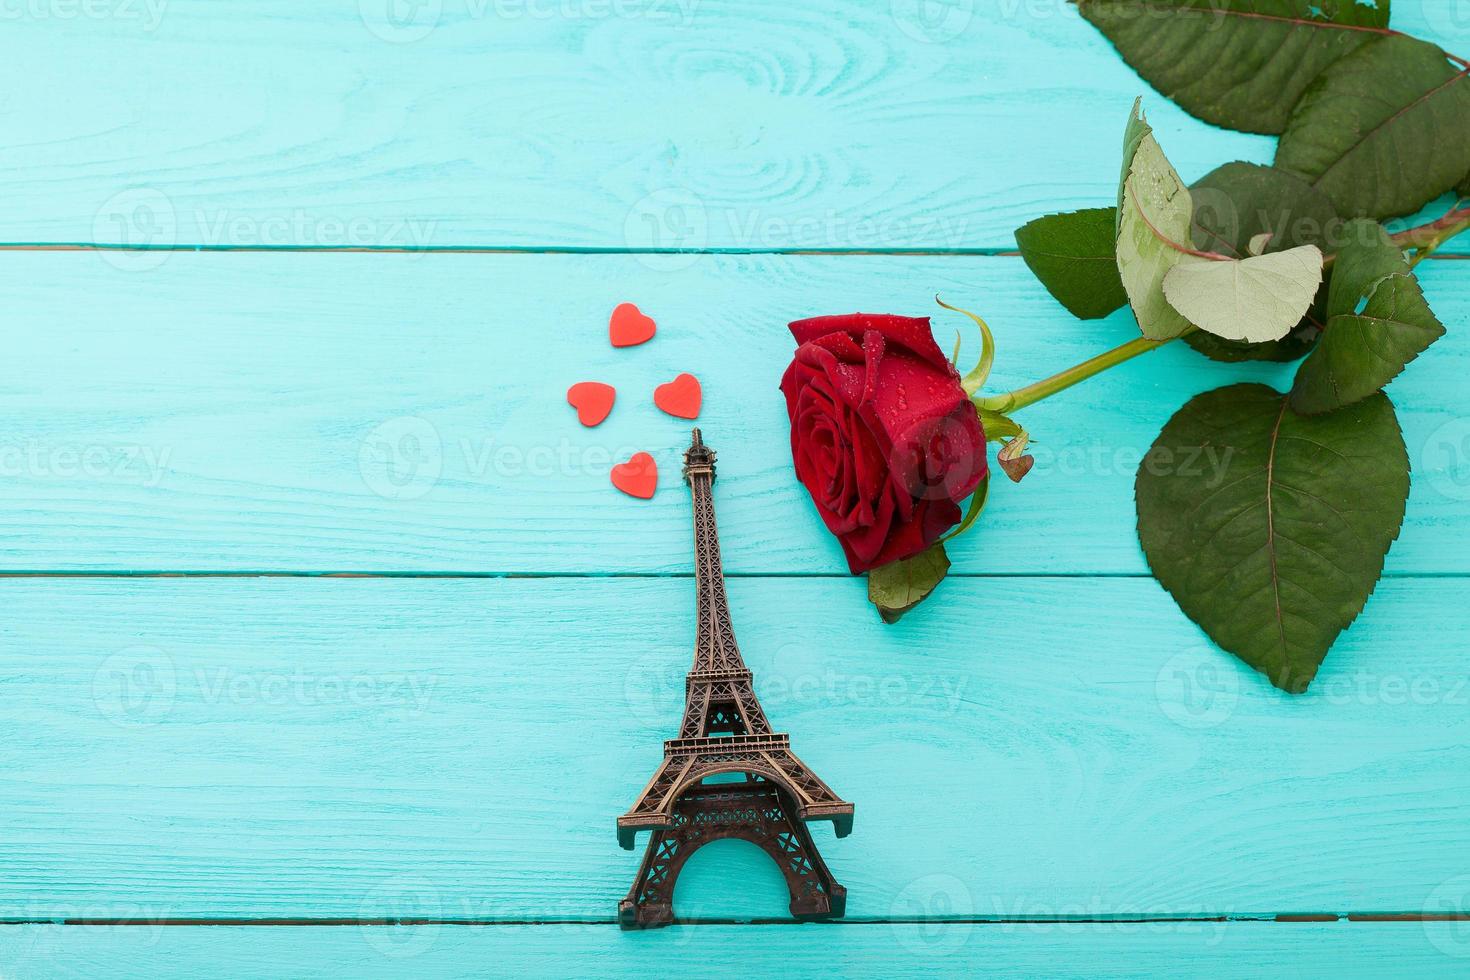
(715, 647)
(719, 696)
(725, 731)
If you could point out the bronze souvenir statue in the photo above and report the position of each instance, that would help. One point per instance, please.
(725, 731)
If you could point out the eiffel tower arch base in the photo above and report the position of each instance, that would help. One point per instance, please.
(757, 811)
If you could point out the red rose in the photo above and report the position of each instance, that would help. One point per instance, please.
(883, 435)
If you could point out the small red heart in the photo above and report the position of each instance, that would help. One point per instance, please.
(638, 477)
(593, 401)
(680, 397)
(629, 327)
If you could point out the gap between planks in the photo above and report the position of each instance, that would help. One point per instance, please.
(534, 250)
(1288, 918)
(496, 249)
(834, 576)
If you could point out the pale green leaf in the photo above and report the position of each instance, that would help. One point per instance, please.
(1255, 299)
(1270, 528)
(1238, 201)
(1153, 226)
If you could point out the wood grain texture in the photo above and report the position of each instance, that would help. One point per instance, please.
(389, 413)
(747, 124)
(459, 749)
(1087, 951)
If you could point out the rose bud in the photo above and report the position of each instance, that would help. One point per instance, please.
(883, 435)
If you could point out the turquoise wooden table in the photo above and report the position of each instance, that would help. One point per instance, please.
(329, 651)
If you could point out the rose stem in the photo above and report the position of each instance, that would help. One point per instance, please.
(1426, 238)
(1021, 397)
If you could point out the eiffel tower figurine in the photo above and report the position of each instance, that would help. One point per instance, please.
(725, 731)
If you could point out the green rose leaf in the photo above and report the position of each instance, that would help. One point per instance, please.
(1236, 63)
(1238, 201)
(1288, 348)
(1255, 299)
(1153, 223)
(1270, 528)
(1367, 256)
(1463, 187)
(1383, 131)
(899, 586)
(1361, 353)
(1075, 256)
(1378, 321)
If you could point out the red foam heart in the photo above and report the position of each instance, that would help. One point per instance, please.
(593, 401)
(680, 397)
(629, 327)
(638, 477)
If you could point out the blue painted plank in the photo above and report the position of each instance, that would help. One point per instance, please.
(390, 413)
(750, 124)
(459, 749)
(1081, 950)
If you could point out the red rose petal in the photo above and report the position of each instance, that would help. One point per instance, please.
(593, 401)
(681, 397)
(629, 326)
(638, 477)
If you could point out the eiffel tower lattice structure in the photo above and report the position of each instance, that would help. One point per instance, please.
(772, 793)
